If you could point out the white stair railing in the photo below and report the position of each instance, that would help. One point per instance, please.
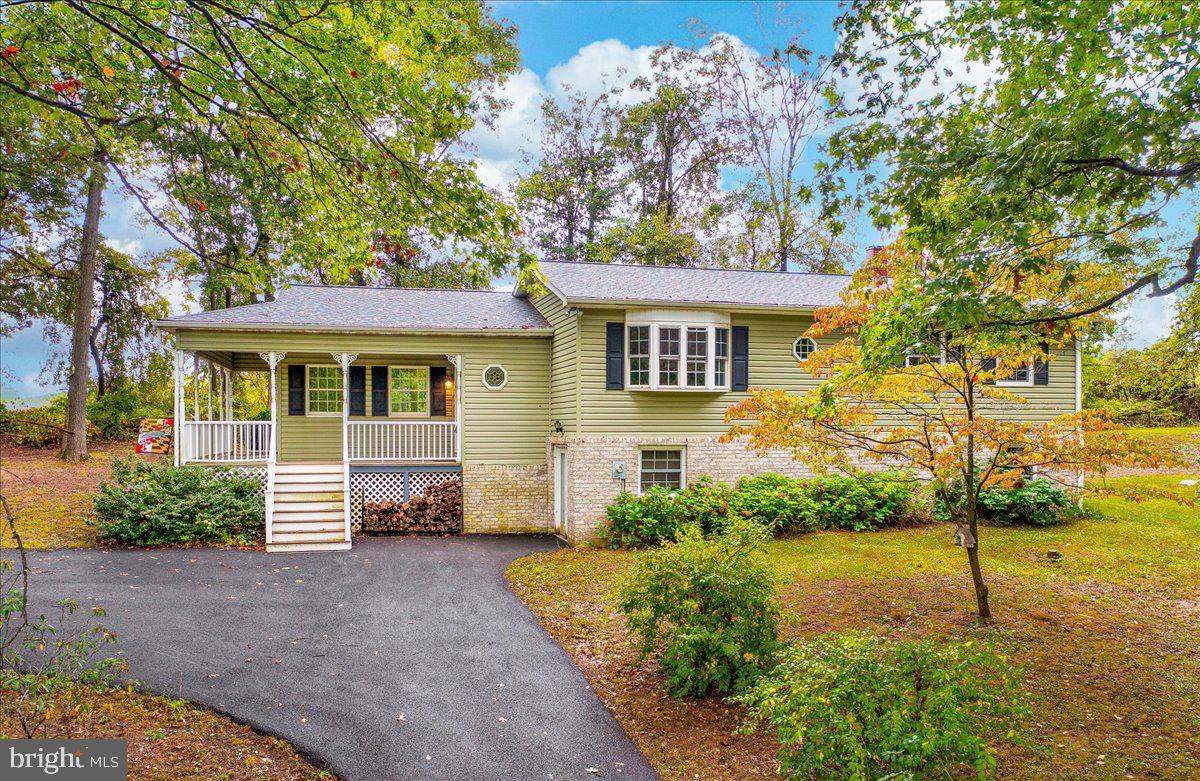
(402, 441)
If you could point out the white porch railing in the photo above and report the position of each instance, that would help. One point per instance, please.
(225, 441)
(401, 441)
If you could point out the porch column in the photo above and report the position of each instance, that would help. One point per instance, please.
(456, 362)
(196, 385)
(344, 360)
(228, 394)
(210, 374)
(272, 359)
(179, 406)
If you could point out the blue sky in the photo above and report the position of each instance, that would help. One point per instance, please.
(571, 43)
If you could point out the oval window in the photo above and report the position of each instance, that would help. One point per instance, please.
(803, 348)
(495, 377)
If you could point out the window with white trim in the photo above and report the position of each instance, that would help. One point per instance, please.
(495, 377)
(720, 357)
(662, 467)
(323, 389)
(1021, 376)
(803, 347)
(676, 356)
(639, 356)
(408, 391)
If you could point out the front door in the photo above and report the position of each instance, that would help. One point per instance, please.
(560, 490)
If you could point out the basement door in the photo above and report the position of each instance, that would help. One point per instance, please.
(560, 490)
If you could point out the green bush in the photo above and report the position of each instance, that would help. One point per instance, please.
(636, 521)
(854, 706)
(705, 504)
(863, 502)
(708, 605)
(159, 504)
(116, 414)
(34, 426)
(781, 503)
(1036, 502)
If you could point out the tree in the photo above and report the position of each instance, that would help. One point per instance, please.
(777, 102)
(913, 383)
(571, 195)
(272, 126)
(672, 144)
(1010, 129)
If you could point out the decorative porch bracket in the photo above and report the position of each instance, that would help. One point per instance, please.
(454, 360)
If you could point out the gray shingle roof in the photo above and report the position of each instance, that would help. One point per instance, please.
(335, 307)
(593, 282)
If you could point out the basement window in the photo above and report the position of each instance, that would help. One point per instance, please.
(662, 467)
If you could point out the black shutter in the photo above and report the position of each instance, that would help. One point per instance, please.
(741, 358)
(988, 365)
(437, 390)
(296, 389)
(614, 357)
(379, 391)
(358, 390)
(1041, 372)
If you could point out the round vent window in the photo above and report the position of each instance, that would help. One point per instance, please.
(495, 377)
(803, 348)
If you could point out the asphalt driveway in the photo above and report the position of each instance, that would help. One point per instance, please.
(400, 659)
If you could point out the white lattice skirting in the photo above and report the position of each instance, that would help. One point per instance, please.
(257, 472)
(390, 486)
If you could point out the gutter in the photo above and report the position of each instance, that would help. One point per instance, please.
(172, 326)
(621, 303)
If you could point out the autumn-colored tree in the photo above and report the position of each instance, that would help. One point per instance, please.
(914, 380)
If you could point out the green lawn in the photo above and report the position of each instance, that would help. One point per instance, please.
(1109, 636)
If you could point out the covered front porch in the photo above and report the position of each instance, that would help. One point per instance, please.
(341, 429)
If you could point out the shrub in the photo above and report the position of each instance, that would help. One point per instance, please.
(863, 502)
(638, 521)
(116, 414)
(854, 706)
(781, 503)
(708, 605)
(1036, 502)
(159, 504)
(705, 504)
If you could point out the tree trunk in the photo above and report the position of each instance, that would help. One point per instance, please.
(74, 446)
(981, 589)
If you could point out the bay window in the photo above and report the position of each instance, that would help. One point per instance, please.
(677, 356)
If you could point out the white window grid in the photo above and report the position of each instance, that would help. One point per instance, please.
(323, 389)
(417, 396)
(677, 356)
(494, 377)
(662, 465)
(803, 347)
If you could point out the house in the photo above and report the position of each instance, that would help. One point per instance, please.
(546, 406)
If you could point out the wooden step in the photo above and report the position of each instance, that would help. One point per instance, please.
(329, 508)
(325, 486)
(301, 547)
(299, 478)
(335, 526)
(278, 536)
(283, 497)
(300, 468)
(290, 514)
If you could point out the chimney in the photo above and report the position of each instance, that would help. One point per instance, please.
(873, 249)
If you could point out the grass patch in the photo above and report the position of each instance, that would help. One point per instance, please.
(1110, 635)
(175, 739)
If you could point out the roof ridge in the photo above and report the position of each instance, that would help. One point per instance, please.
(697, 268)
(397, 287)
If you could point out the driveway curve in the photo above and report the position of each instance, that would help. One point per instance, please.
(404, 658)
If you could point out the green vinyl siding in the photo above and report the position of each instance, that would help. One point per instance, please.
(564, 362)
(508, 426)
(772, 364)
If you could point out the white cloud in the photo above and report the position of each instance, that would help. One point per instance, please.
(125, 246)
(1148, 320)
(598, 67)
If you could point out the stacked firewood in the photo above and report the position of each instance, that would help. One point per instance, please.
(437, 511)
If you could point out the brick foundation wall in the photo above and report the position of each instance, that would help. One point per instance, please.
(506, 499)
(590, 463)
